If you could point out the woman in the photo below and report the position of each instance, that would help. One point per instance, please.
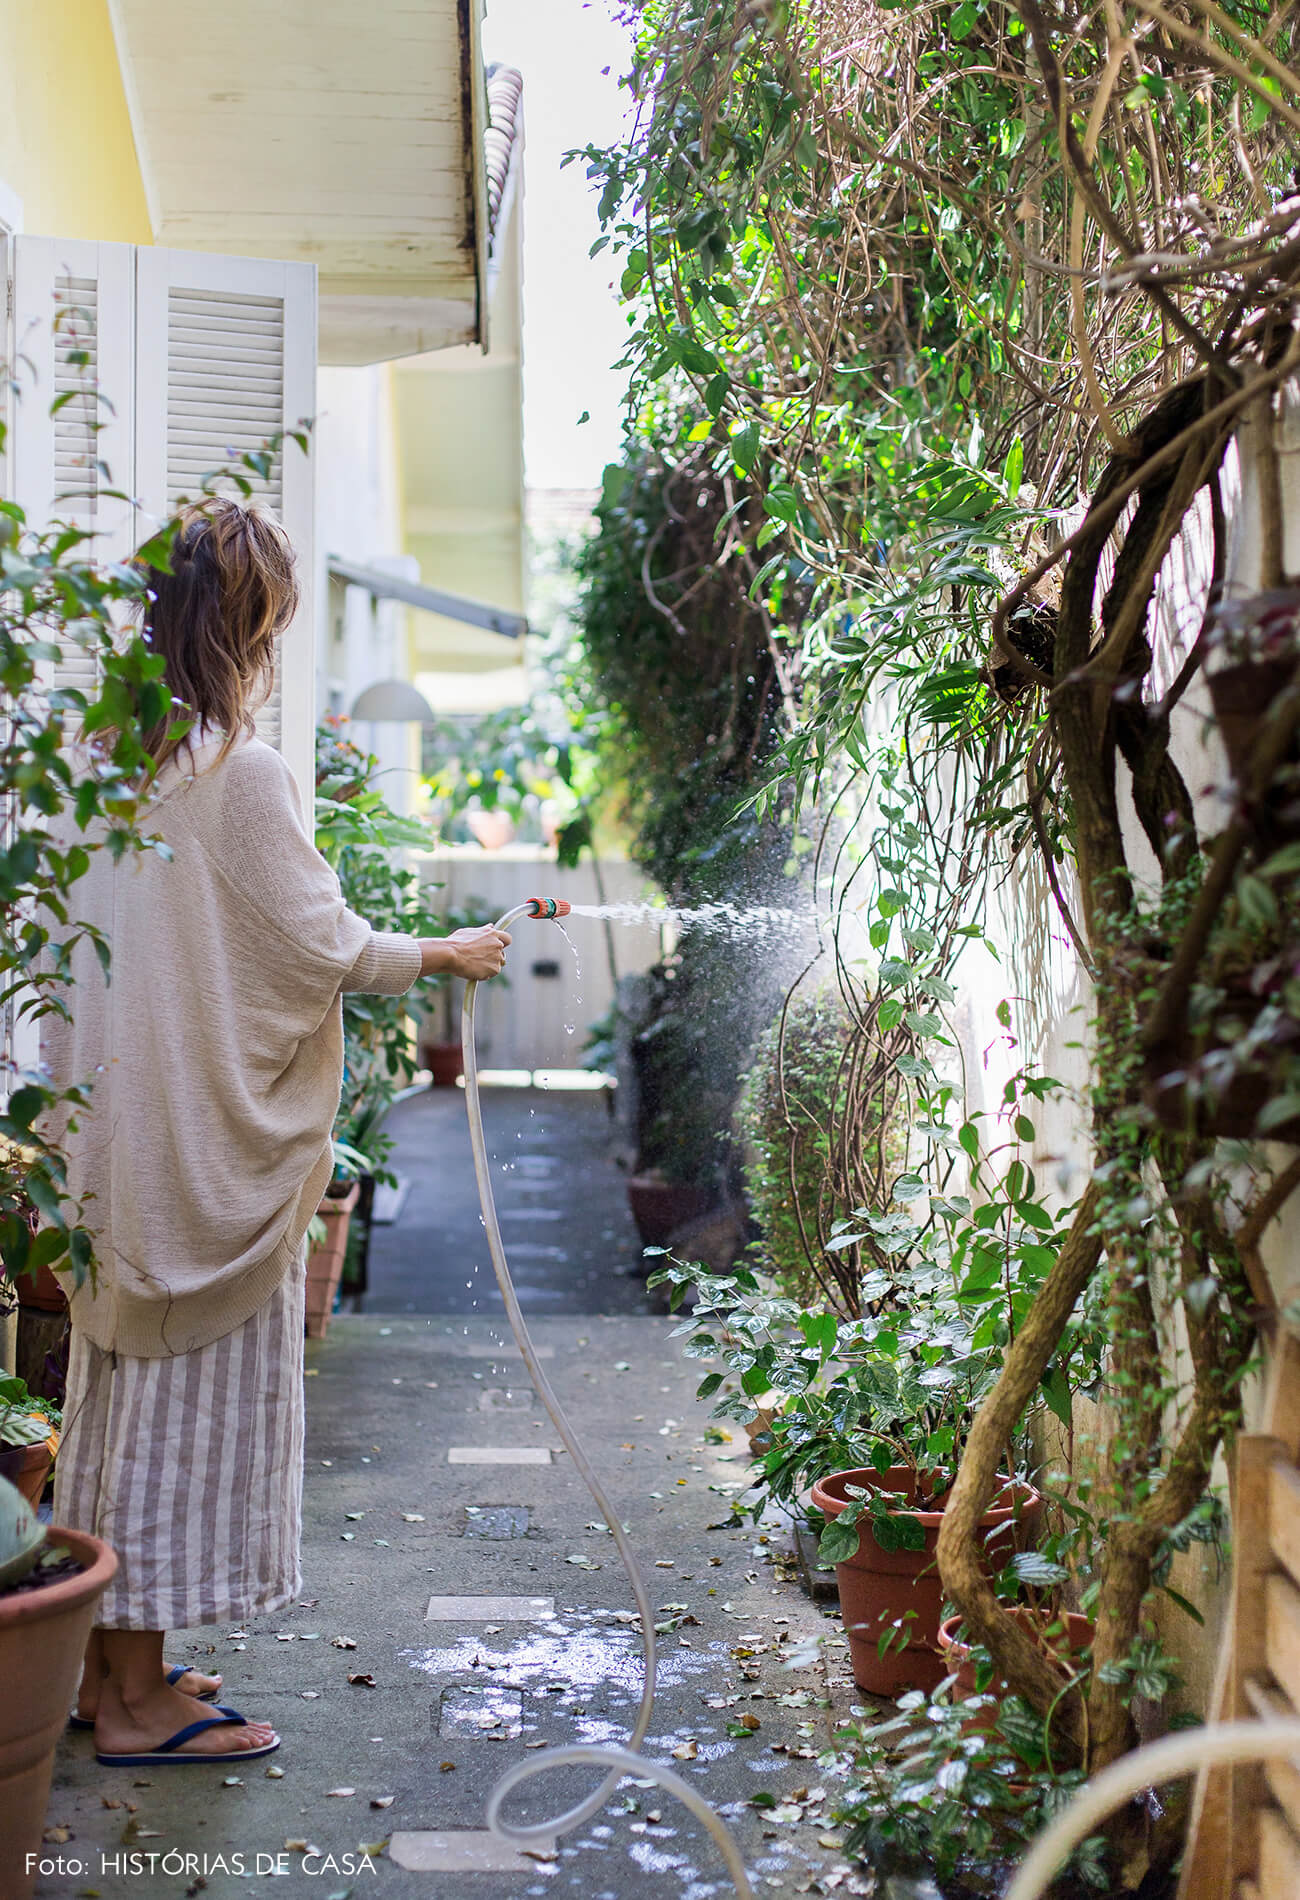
(216, 1053)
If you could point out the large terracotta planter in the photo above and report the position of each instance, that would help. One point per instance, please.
(27, 1467)
(325, 1262)
(895, 1597)
(659, 1208)
(43, 1636)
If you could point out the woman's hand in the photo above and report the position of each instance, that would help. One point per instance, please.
(476, 954)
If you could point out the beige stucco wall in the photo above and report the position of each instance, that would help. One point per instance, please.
(66, 149)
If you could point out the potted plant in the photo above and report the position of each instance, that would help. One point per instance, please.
(874, 1410)
(891, 1599)
(29, 1438)
(328, 1237)
(1064, 1636)
(50, 1583)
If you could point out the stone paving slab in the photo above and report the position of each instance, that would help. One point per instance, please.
(386, 1400)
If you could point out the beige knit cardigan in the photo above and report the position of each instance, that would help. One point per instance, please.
(214, 1051)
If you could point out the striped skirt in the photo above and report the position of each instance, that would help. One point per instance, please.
(191, 1468)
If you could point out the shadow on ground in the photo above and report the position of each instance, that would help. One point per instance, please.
(560, 1196)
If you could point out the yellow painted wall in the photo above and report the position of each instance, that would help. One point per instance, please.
(65, 136)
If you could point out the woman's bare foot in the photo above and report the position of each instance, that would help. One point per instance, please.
(193, 1683)
(135, 1724)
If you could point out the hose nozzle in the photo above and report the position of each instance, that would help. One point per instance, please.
(547, 907)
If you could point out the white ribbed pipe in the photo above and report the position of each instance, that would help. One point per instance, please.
(1217, 1745)
(618, 1761)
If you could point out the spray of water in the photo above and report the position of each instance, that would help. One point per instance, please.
(717, 920)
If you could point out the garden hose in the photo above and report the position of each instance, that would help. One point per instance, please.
(619, 1761)
(1217, 1745)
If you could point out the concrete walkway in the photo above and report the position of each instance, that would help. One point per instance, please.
(563, 1207)
(444, 1694)
(461, 1606)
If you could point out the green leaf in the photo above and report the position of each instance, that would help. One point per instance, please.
(1014, 467)
(1055, 1388)
(744, 447)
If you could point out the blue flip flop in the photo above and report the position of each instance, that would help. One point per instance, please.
(174, 1675)
(167, 1753)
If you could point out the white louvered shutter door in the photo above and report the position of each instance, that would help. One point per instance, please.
(73, 334)
(73, 421)
(225, 360)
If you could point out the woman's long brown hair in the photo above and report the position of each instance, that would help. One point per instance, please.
(215, 618)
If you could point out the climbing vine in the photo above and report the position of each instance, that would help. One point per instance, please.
(993, 312)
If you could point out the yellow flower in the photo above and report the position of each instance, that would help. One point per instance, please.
(498, 775)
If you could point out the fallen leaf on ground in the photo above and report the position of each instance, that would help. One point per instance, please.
(232, 1781)
(446, 1767)
(57, 1835)
(686, 1751)
(363, 1679)
(342, 1642)
(341, 1794)
(310, 1695)
(354, 1517)
(382, 1800)
(412, 1517)
(106, 1802)
(275, 1774)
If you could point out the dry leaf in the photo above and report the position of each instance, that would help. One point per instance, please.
(57, 1835)
(382, 1800)
(342, 1642)
(686, 1751)
(445, 1767)
(341, 1793)
(362, 1680)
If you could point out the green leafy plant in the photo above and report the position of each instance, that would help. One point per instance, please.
(25, 1419)
(360, 835)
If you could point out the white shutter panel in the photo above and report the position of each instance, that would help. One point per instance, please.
(73, 329)
(225, 359)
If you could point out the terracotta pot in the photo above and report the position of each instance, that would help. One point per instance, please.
(43, 1290)
(27, 1467)
(1071, 1642)
(897, 1593)
(445, 1062)
(43, 1637)
(325, 1262)
(659, 1208)
(492, 829)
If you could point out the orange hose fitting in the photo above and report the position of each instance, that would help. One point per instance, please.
(547, 907)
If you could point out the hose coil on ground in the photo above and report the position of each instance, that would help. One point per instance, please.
(619, 1761)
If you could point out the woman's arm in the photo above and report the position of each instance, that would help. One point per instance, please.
(475, 954)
